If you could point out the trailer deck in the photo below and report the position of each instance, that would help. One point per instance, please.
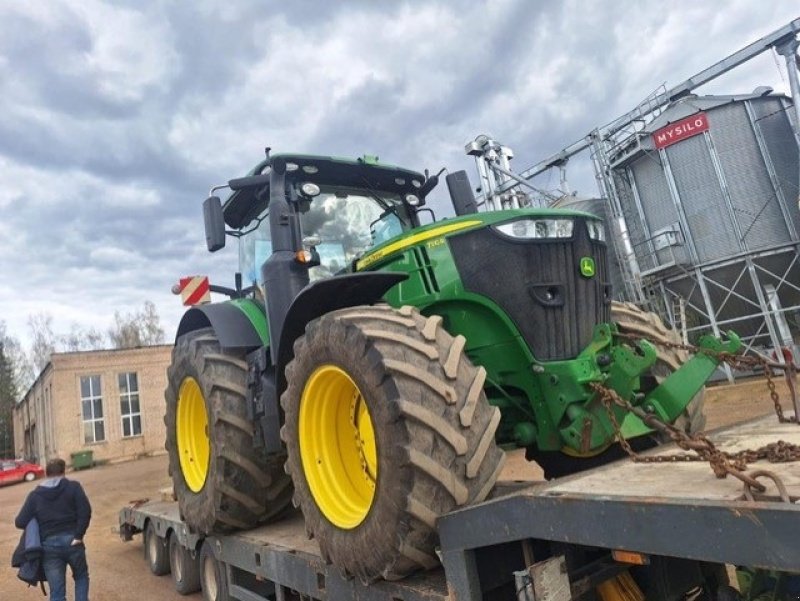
(676, 510)
(671, 509)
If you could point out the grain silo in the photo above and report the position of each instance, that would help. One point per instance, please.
(709, 192)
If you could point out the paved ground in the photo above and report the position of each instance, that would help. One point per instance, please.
(118, 571)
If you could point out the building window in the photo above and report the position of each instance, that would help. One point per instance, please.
(92, 410)
(129, 405)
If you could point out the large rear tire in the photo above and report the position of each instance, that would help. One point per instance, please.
(387, 428)
(221, 480)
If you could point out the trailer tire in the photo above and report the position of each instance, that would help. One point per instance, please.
(630, 319)
(213, 577)
(184, 567)
(426, 447)
(155, 551)
(222, 481)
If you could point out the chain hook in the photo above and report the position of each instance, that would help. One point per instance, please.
(754, 475)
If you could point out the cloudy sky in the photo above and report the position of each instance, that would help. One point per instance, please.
(117, 117)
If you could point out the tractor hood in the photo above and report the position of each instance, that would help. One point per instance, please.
(243, 206)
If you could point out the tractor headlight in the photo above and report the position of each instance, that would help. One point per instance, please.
(310, 189)
(596, 230)
(537, 228)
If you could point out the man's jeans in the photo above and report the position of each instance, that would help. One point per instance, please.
(58, 554)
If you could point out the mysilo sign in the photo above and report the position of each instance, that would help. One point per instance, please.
(680, 130)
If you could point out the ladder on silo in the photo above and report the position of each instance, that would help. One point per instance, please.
(679, 318)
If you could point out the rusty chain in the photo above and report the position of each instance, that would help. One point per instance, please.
(698, 445)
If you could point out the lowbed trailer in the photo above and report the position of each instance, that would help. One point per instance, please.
(554, 540)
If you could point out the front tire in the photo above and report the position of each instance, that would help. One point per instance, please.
(387, 428)
(221, 480)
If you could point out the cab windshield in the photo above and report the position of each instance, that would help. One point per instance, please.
(347, 223)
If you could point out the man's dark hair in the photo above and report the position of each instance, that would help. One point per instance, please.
(55, 467)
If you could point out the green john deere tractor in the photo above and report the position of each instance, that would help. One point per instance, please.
(371, 369)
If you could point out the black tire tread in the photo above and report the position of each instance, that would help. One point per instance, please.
(437, 417)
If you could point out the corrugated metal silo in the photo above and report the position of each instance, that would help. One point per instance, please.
(709, 193)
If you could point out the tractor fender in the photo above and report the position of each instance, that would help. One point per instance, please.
(240, 323)
(324, 296)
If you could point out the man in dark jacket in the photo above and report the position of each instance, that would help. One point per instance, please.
(63, 512)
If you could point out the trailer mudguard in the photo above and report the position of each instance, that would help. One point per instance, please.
(239, 323)
(324, 296)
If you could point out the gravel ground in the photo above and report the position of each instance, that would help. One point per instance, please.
(117, 569)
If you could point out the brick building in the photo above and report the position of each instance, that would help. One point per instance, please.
(110, 402)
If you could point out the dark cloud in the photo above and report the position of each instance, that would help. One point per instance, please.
(117, 117)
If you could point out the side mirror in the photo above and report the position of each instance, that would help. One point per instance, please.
(214, 223)
(461, 193)
(251, 181)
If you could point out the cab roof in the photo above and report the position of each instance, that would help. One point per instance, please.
(242, 206)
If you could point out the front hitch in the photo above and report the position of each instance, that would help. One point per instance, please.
(585, 428)
(669, 399)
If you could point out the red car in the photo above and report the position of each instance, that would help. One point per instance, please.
(16, 471)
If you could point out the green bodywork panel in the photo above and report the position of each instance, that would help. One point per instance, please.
(256, 315)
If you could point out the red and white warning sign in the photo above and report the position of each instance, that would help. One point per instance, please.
(194, 290)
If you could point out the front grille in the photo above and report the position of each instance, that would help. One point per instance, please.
(521, 276)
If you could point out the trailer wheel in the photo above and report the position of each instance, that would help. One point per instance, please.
(387, 428)
(213, 578)
(155, 551)
(222, 482)
(184, 567)
(632, 320)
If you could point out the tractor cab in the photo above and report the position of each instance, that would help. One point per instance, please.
(344, 208)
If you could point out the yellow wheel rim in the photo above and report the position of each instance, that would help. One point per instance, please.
(337, 446)
(194, 448)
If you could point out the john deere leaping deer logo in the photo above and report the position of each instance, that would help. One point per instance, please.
(587, 267)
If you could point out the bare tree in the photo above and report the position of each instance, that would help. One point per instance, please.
(140, 328)
(81, 339)
(43, 340)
